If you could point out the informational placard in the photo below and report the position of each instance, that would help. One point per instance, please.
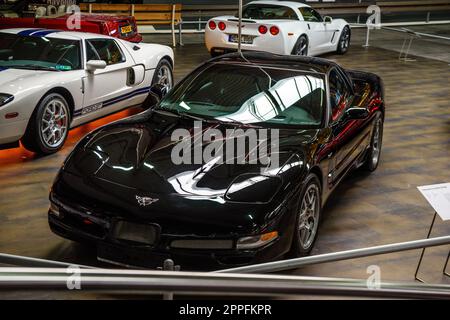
(438, 195)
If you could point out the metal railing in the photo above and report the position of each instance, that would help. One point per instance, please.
(234, 281)
(200, 283)
(15, 260)
(339, 256)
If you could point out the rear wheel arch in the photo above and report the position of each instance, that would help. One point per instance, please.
(303, 34)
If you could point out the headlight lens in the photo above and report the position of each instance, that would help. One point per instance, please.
(253, 242)
(5, 98)
(253, 188)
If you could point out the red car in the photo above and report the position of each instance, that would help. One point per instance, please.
(123, 27)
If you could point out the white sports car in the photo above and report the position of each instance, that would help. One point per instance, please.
(51, 81)
(280, 27)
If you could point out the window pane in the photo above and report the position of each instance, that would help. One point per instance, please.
(54, 53)
(338, 94)
(310, 15)
(107, 50)
(267, 12)
(228, 92)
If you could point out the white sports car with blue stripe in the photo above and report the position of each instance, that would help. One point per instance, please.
(51, 81)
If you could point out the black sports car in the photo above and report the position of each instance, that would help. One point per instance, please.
(143, 190)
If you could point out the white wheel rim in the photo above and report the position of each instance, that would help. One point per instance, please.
(164, 76)
(54, 123)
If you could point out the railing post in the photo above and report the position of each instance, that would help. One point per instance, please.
(366, 45)
(174, 41)
(90, 8)
(132, 9)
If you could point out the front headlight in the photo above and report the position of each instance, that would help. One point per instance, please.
(253, 188)
(5, 98)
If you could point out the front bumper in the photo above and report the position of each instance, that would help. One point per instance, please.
(71, 224)
(12, 131)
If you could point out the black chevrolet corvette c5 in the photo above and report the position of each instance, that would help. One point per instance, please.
(123, 190)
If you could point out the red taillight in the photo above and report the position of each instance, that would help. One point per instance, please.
(274, 30)
(212, 25)
(222, 25)
(262, 29)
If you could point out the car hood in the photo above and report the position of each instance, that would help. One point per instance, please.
(13, 80)
(139, 155)
(125, 170)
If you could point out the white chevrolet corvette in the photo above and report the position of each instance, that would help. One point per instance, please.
(51, 81)
(280, 27)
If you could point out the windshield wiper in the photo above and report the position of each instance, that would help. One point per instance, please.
(33, 67)
(181, 114)
(239, 123)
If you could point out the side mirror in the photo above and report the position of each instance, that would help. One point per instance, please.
(356, 113)
(327, 19)
(93, 65)
(156, 94)
(159, 90)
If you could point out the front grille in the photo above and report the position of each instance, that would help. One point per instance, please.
(202, 244)
(135, 233)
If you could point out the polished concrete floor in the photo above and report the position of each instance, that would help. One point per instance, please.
(366, 210)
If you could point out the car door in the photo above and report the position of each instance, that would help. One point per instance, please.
(347, 136)
(105, 90)
(317, 31)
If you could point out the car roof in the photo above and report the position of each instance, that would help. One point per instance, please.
(50, 33)
(291, 4)
(264, 59)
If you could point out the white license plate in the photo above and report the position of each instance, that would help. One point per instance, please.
(244, 39)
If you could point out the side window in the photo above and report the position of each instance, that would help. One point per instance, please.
(339, 94)
(310, 15)
(104, 49)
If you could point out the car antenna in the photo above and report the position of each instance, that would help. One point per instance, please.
(239, 42)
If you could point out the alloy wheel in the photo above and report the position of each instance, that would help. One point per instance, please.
(345, 40)
(164, 76)
(309, 216)
(54, 123)
(376, 143)
(302, 47)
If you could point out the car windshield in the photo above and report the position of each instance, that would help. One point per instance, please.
(39, 53)
(268, 12)
(249, 94)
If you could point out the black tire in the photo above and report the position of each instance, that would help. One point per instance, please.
(299, 248)
(374, 153)
(344, 41)
(163, 74)
(34, 138)
(301, 46)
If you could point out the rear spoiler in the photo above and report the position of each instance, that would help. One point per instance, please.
(243, 20)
